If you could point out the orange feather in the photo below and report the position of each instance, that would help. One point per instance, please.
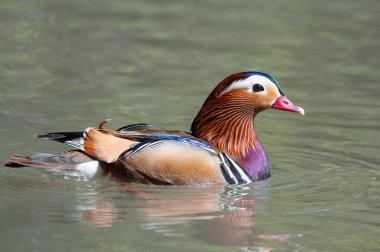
(227, 123)
(103, 146)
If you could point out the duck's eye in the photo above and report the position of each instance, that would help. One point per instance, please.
(257, 88)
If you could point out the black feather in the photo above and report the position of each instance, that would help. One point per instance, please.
(138, 127)
(62, 136)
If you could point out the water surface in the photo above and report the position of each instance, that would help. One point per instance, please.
(66, 65)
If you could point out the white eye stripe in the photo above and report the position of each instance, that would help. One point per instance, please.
(249, 82)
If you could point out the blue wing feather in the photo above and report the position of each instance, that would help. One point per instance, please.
(199, 143)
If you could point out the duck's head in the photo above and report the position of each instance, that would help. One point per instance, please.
(260, 90)
(226, 117)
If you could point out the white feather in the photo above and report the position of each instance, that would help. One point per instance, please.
(88, 168)
(249, 82)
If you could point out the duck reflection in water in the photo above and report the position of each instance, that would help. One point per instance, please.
(220, 215)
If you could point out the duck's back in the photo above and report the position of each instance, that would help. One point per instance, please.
(163, 157)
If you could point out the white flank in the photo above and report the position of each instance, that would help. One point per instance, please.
(88, 168)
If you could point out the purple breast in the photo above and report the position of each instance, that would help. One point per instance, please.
(256, 163)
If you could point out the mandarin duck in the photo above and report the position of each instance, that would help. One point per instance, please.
(222, 147)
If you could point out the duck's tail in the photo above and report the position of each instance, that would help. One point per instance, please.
(71, 160)
(67, 161)
(92, 144)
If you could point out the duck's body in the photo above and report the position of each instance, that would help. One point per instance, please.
(221, 149)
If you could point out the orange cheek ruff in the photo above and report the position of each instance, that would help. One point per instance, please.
(227, 122)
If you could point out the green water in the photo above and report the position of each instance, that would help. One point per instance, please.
(66, 65)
